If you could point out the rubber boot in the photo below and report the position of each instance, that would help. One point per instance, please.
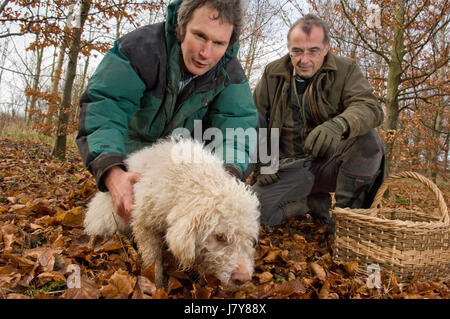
(352, 191)
(296, 208)
(319, 206)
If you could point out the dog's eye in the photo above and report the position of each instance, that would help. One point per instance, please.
(221, 238)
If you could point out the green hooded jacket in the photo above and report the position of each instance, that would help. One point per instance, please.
(133, 99)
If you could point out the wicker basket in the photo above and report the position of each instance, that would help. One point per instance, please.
(406, 242)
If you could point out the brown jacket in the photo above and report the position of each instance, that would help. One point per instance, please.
(338, 88)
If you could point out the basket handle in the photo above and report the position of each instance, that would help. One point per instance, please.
(405, 175)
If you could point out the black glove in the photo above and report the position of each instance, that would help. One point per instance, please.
(267, 179)
(323, 140)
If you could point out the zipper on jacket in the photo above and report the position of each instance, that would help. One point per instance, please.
(313, 106)
(302, 107)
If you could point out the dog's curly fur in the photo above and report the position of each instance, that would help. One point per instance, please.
(187, 200)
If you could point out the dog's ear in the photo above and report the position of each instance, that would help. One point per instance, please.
(180, 236)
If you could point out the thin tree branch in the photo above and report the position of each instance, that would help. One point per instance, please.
(371, 48)
(3, 5)
(433, 129)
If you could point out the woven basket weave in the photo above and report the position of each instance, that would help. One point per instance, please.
(406, 242)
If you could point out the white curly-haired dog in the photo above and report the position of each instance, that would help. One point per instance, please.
(186, 199)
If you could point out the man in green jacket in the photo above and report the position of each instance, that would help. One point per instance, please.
(179, 74)
(326, 113)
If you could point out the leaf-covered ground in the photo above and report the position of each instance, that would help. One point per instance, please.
(42, 204)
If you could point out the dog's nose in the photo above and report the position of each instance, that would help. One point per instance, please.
(240, 278)
(241, 274)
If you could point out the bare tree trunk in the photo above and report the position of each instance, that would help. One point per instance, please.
(53, 104)
(447, 148)
(3, 59)
(394, 80)
(254, 39)
(119, 20)
(59, 149)
(36, 78)
(438, 120)
(354, 45)
(77, 94)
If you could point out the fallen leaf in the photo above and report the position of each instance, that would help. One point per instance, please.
(46, 277)
(35, 226)
(72, 218)
(149, 272)
(264, 277)
(58, 242)
(40, 206)
(44, 255)
(75, 250)
(160, 293)
(333, 295)
(109, 245)
(8, 241)
(272, 256)
(318, 271)
(120, 285)
(173, 284)
(291, 276)
(212, 280)
(11, 235)
(350, 267)
(288, 288)
(199, 292)
(285, 256)
(413, 296)
(145, 286)
(307, 281)
(299, 239)
(298, 265)
(88, 290)
(43, 295)
(24, 263)
(325, 290)
(10, 280)
(17, 207)
(17, 296)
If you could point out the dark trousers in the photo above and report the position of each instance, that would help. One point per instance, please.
(354, 172)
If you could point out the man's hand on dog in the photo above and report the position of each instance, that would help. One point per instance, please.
(120, 186)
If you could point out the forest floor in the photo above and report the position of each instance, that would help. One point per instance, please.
(42, 245)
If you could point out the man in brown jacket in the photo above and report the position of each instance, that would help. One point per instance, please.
(326, 113)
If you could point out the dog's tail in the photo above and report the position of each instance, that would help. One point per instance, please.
(101, 219)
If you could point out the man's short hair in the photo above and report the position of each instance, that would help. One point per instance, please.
(230, 11)
(307, 22)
